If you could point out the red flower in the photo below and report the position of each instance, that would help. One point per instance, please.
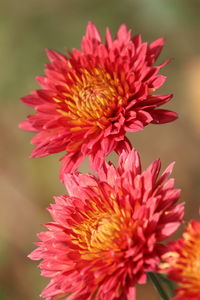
(107, 234)
(182, 263)
(91, 98)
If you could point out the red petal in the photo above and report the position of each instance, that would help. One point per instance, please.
(161, 116)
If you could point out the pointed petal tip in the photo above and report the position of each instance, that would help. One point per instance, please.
(123, 33)
(162, 116)
(92, 32)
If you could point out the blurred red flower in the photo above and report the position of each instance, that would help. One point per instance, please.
(107, 234)
(182, 263)
(91, 98)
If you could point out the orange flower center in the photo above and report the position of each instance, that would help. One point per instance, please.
(94, 97)
(190, 261)
(103, 230)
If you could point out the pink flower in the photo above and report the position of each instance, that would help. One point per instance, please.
(92, 97)
(182, 263)
(107, 234)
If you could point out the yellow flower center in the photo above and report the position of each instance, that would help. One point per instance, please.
(103, 230)
(94, 97)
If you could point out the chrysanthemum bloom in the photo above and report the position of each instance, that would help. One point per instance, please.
(92, 97)
(182, 263)
(107, 233)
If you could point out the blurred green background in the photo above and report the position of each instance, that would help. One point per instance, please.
(27, 27)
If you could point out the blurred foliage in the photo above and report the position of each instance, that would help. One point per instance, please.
(27, 27)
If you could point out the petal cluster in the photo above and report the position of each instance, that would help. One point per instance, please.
(107, 233)
(182, 263)
(92, 97)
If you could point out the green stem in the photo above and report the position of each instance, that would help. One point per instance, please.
(170, 284)
(158, 286)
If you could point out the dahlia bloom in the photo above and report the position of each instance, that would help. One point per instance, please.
(182, 263)
(92, 97)
(107, 234)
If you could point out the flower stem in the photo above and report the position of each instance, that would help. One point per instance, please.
(170, 284)
(158, 286)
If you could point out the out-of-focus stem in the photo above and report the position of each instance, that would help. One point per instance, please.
(158, 286)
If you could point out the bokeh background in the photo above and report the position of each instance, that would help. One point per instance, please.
(27, 27)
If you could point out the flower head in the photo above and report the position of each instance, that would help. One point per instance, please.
(107, 234)
(182, 263)
(92, 97)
